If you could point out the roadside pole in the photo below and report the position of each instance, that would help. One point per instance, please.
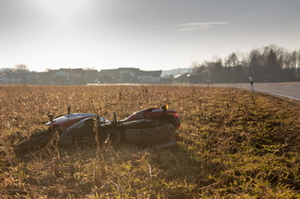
(251, 82)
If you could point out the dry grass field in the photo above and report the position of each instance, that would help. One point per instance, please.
(236, 144)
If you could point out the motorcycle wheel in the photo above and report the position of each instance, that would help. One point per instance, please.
(33, 144)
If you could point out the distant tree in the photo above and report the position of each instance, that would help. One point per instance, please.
(232, 60)
(271, 63)
(245, 60)
(198, 70)
(298, 58)
(218, 72)
(290, 65)
(256, 69)
(271, 66)
(210, 72)
(21, 67)
(194, 65)
(217, 60)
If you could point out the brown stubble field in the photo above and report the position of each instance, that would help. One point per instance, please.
(236, 144)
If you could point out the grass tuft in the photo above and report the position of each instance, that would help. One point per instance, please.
(236, 144)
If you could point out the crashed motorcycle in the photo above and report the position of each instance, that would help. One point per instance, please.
(153, 127)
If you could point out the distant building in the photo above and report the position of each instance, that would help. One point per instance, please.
(197, 79)
(2, 78)
(166, 80)
(91, 76)
(106, 79)
(14, 77)
(67, 76)
(149, 76)
(182, 78)
(132, 75)
(39, 78)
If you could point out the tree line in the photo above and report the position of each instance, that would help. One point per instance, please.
(266, 64)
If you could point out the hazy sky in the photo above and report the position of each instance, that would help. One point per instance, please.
(150, 35)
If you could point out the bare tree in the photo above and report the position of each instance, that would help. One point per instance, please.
(21, 67)
(232, 60)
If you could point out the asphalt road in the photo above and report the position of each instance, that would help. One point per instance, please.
(288, 90)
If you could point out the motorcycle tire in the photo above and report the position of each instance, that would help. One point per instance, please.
(154, 134)
(33, 144)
